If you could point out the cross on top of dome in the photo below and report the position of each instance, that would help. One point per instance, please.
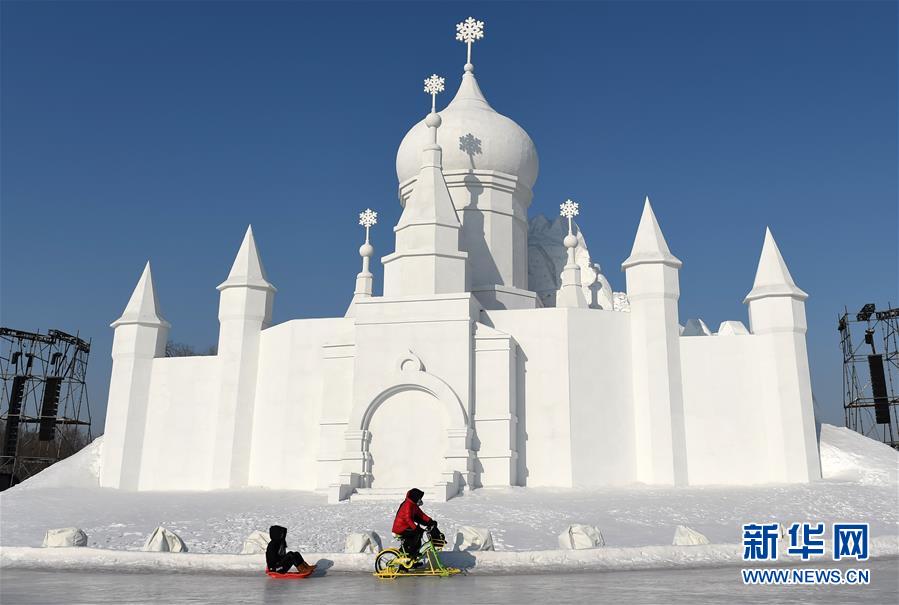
(468, 32)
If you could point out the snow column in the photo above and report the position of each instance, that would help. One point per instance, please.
(245, 309)
(653, 291)
(777, 319)
(140, 335)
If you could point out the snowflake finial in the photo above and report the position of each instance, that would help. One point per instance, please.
(368, 218)
(468, 32)
(569, 210)
(434, 86)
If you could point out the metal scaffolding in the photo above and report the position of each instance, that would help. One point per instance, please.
(45, 414)
(871, 373)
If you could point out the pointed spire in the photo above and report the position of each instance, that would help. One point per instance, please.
(469, 93)
(142, 307)
(247, 271)
(772, 278)
(649, 244)
(430, 201)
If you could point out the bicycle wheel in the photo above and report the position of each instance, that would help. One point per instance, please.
(386, 559)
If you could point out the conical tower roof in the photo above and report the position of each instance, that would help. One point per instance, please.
(247, 270)
(772, 278)
(649, 243)
(142, 307)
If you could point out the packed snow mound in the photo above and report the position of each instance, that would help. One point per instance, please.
(850, 456)
(64, 536)
(579, 536)
(684, 536)
(256, 543)
(163, 540)
(473, 538)
(366, 541)
(81, 469)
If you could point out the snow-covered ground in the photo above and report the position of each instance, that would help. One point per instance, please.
(860, 484)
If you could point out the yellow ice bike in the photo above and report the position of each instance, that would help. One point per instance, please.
(395, 562)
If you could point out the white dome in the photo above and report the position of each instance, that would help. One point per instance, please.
(473, 136)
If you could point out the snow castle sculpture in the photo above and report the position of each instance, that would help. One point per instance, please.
(460, 375)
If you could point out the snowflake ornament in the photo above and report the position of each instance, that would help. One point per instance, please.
(434, 84)
(368, 218)
(469, 30)
(568, 209)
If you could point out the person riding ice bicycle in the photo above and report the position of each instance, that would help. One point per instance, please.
(407, 523)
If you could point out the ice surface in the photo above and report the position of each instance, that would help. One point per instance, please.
(64, 536)
(680, 587)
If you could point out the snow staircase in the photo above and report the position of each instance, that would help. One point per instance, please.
(394, 494)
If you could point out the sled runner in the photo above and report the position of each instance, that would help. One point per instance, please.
(393, 563)
(290, 575)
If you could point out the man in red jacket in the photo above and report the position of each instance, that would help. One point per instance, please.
(408, 518)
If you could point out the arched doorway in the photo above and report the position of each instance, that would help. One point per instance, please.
(408, 442)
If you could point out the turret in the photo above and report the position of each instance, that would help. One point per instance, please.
(777, 318)
(490, 165)
(140, 336)
(427, 259)
(653, 290)
(571, 293)
(245, 309)
(365, 279)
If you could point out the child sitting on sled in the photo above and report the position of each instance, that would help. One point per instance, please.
(277, 558)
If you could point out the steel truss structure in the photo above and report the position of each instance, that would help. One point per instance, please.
(45, 413)
(871, 373)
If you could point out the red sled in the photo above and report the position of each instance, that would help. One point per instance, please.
(290, 575)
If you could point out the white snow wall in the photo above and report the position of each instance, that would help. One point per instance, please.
(575, 419)
(736, 389)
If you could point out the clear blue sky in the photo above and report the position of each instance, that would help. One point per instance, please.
(159, 130)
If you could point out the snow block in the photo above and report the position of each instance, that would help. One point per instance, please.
(732, 328)
(256, 543)
(473, 538)
(163, 540)
(366, 541)
(696, 327)
(64, 536)
(684, 536)
(579, 537)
